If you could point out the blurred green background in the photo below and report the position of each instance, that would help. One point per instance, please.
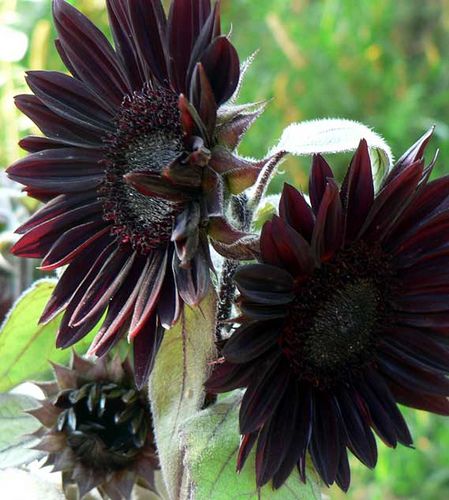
(383, 62)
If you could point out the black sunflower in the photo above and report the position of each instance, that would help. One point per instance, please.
(346, 315)
(97, 428)
(134, 167)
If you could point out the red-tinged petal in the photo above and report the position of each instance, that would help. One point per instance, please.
(294, 209)
(147, 299)
(222, 67)
(390, 202)
(320, 173)
(90, 53)
(359, 195)
(38, 241)
(149, 25)
(70, 99)
(121, 306)
(145, 347)
(111, 276)
(327, 235)
(71, 243)
(71, 279)
(56, 127)
(58, 206)
(246, 445)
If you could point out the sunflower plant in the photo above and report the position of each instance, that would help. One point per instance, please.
(266, 340)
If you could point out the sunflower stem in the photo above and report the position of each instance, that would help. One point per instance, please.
(243, 216)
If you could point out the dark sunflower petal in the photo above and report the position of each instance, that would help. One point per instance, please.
(145, 347)
(294, 210)
(390, 202)
(222, 67)
(264, 283)
(325, 452)
(296, 447)
(274, 440)
(90, 53)
(149, 29)
(124, 43)
(294, 252)
(327, 235)
(320, 173)
(360, 437)
(359, 196)
(226, 377)
(70, 99)
(251, 341)
(57, 127)
(263, 396)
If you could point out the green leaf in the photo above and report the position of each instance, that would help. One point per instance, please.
(14, 427)
(27, 347)
(336, 136)
(211, 440)
(176, 387)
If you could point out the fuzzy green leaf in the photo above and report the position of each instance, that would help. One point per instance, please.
(27, 347)
(177, 387)
(211, 440)
(15, 425)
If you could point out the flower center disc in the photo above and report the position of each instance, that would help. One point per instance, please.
(106, 425)
(148, 137)
(332, 324)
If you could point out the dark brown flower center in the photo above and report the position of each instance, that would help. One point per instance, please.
(148, 137)
(333, 323)
(106, 425)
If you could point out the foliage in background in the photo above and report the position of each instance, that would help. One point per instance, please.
(381, 63)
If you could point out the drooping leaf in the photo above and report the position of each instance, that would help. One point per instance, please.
(336, 136)
(15, 427)
(176, 387)
(27, 347)
(211, 441)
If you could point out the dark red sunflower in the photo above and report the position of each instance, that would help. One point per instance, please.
(134, 167)
(97, 428)
(346, 316)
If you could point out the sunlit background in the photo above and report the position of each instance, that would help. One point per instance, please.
(384, 63)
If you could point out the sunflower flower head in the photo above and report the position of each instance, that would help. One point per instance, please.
(97, 428)
(345, 316)
(135, 165)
